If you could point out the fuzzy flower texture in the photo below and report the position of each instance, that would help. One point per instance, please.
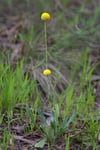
(47, 72)
(45, 16)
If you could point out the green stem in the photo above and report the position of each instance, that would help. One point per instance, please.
(48, 86)
(46, 46)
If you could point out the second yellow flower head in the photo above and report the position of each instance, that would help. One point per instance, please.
(45, 16)
(47, 72)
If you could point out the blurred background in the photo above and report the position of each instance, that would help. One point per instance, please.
(74, 28)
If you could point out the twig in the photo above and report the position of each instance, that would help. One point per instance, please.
(16, 137)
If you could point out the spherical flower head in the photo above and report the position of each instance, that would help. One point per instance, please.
(47, 72)
(45, 16)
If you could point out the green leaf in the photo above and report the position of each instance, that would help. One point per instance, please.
(40, 144)
(67, 122)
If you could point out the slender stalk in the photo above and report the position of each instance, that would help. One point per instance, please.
(46, 46)
(48, 85)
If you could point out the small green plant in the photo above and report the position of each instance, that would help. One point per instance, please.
(93, 132)
(31, 113)
(60, 119)
(6, 139)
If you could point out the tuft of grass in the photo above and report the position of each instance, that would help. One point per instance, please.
(15, 87)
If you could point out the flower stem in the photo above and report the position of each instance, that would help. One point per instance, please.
(46, 46)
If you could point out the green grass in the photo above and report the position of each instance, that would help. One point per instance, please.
(15, 87)
(25, 95)
(17, 90)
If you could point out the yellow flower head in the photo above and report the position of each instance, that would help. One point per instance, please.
(45, 16)
(47, 72)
